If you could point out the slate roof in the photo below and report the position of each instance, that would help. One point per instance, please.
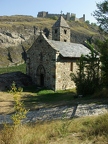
(69, 50)
(61, 23)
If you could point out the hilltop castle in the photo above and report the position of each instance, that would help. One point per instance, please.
(68, 16)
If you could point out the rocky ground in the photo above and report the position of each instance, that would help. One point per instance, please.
(62, 112)
(19, 78)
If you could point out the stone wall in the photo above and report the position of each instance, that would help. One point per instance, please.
(62, 34)
(41, 63)
(65, 34)
(63, 71)
(68, 16)
(47, 68)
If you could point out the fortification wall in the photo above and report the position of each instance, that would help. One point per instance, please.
(67, 16)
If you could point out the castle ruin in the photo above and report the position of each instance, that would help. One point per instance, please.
(68, 16)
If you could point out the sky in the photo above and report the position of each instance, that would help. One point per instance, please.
(32, 7)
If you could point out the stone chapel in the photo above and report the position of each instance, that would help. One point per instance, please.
(50, 62)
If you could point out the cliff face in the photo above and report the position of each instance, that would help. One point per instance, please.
(17, 34)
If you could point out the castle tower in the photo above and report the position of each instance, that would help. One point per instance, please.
(61, 30)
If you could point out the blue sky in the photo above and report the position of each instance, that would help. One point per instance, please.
(32, 7)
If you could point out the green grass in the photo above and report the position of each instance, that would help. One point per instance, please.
(46, 98)
(21, 68)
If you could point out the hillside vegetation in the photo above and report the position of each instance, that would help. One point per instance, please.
(17, 35)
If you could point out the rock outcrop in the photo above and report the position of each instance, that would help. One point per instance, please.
(17, 34)
(20, 79)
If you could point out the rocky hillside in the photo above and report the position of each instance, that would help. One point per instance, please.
(17, 34)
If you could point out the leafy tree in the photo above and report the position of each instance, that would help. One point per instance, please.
(101, 15)
(87, 22)
(87, 78)
(93, 24)
(20, 111)
(103, 47)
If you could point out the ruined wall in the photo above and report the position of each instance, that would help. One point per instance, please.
(67, 16)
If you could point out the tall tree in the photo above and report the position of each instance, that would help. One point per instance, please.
(101, 15)
(103, 47)
(87, 77)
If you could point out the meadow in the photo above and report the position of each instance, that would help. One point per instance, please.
(21, 68)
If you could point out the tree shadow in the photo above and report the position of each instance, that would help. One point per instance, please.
(50, 99)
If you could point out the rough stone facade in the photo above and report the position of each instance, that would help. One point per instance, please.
(50, 62)
(41, 63)
(46, 68)
(63, 71)
(61, 34)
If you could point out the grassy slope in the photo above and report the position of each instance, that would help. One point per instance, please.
(8, 22)
(21, 68)
(30, 21)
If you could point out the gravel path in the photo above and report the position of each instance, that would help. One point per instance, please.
(78, 110)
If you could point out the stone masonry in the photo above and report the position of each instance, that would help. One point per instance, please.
(67, 16)
(50, 62)
(41, 63)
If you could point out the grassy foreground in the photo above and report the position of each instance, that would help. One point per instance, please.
(88, 130)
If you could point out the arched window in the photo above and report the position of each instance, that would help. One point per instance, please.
(65, 31)
(41, 56)
(41, 75)
(55, 31)
(40, 70)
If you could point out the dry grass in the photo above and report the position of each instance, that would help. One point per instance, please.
(86, 130)
(29, 21)
(34, 99)
(6, 103)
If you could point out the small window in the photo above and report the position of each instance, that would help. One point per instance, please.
(41, 56)
(71, 66)
(65, 40)
(65, 31)
(55, 31)
(40, 41)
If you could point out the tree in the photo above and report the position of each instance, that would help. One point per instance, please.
(103, 47)
(87, 78)
(101, 15)
(87, 22)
